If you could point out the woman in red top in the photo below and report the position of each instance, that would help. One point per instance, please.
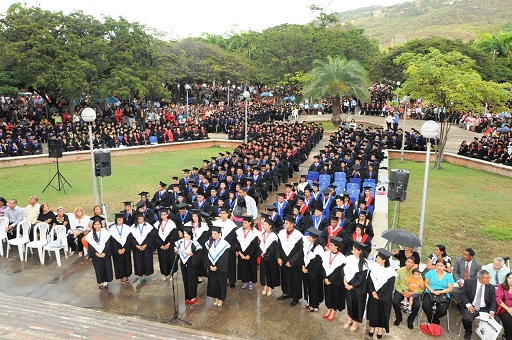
(504, 302)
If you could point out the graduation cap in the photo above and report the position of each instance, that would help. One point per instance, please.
(118, 215)
(303, 176)
(137, 215)
(195, 168)
(127, 203)
(214, 158)
(162, 184)
(217, 229)
(175, 178)
(271, 207)
(326, 191)
(313, 232)
(288, 185)
(316, 184)
(359, 245)
(332, 186)
(384, 253)
(338, 242)
(204, 214)
(182, 206)
(319, 208)
(188, 230)
(206, 161)
(228, 153)
(367, 188)
(186, 170)
(362, 212)
(143, 193)
(334, 218)
(300, 198)
(290, 218)
(164, 210)
(140, 204)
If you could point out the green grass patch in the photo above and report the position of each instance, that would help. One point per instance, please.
(130, 175)
(465, 208)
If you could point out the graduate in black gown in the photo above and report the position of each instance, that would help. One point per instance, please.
(290, 259)
(312, 270)
(333, 262)
(189, 251)
(201, 231)
(229, 234)
(269, 269)
(100, 252)
(167, 236)
(247, 250)
(381, 282)
(121, 241)
(143, 245)
(356, 272)
(217, 259)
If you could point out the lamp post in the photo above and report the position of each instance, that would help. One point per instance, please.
(229, 85)
(89, 116)
(406, 100)
(178, 99)
(187, 87)
(247, 96)
(429, 129)
(397, 86)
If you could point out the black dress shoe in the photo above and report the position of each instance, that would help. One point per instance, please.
(232, 286)
(410, 326)
(397, 322)
(282, 297)
(467, 336)
(294, 303)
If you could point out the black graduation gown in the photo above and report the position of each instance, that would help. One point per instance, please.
(122, 263)
(379, 311)
(143, 260)
(167, 258)
(217, 280)
(269, 269)
(189, 268)
(356, 297)
(231, 239)
(102, 266)
(248, 269)
(291, 277)
(312, 281)
(201, 240)
(335, 292)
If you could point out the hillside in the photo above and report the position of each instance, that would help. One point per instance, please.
(454, 19)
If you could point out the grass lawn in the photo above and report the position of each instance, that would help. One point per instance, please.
(465, 208)
(130, 175)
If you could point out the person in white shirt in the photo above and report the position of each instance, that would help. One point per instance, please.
(31, 212)
(252, 209)
(15, 215)
(497, 270)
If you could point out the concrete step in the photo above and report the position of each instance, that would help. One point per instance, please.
(27, 318)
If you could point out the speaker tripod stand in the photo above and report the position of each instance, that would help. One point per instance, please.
(61, 181)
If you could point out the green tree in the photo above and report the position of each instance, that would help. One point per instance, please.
(449, 81)
(324, 19)
(337, 78)
(499, 46)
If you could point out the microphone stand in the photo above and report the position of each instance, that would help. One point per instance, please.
(175, 292)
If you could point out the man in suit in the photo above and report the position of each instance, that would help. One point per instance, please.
(477, 295)
(465, 267)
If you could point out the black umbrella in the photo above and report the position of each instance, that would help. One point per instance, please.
(401, 237)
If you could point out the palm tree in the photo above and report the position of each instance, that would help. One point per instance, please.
(337, 78)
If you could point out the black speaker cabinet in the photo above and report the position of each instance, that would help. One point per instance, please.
(102, 163)
(55, 148)
(397, 188)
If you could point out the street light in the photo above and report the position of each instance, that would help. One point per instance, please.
(89, 116)
(429, 129)
(229, 85)
(406, 100)
(178, 99)
(247, 95)
(187, 87)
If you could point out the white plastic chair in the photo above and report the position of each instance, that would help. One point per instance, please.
(4, 223)
(42, 229)
(20, 240)
(60, 243)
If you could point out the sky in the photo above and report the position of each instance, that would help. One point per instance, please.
(181, 19)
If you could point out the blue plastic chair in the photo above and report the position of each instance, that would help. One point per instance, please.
(338, 176)
(355, 180)
(324, 178)
(313, 175)
(353, 186)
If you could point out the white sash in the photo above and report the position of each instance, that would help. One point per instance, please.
(180, 246)
(287, 243)
(309, 252)
(380, 275)
(266, 242)
(245, 241)
(199, 230)
(216, 250)
(120, 233)
(99, 245)
(352, 267)
(140, 232)
(337, 260)
(227, 227)
(167, 230)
